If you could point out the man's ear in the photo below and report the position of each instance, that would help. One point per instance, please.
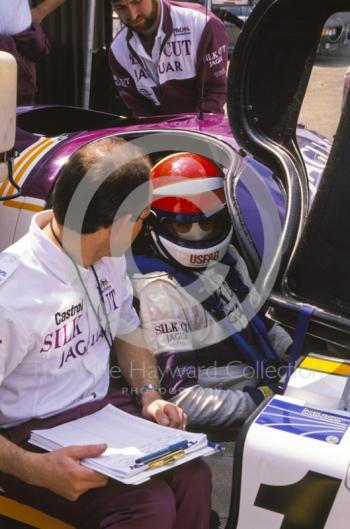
(119, 231)
(120, 223)
(123, 221)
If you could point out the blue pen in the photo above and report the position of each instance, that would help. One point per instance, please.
(181, 445)
(216, 446)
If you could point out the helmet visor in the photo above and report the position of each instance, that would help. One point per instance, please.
(205, 229)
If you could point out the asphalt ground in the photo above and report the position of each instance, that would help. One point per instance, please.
(322, 104)
(321, 112)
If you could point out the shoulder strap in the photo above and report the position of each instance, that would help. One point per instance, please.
(146, 265)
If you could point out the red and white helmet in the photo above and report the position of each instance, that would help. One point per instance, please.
(190, 222)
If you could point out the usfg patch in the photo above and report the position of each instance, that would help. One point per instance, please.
(205, 258)
(8, 264)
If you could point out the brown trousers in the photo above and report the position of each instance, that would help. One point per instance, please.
(177, 499)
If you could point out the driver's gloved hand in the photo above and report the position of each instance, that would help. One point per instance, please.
(263, 390)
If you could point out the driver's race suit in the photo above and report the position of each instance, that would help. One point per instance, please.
(202, 368)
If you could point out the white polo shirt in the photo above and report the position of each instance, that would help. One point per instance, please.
(53, 355)
(15, 16)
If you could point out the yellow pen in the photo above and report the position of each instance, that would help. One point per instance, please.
(166, 460)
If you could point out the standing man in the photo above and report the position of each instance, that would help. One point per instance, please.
(169, 58)
(22, 35)
(65, 303)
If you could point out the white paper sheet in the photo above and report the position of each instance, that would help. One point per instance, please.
(127, 437)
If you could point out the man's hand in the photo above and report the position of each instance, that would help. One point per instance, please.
(163, 412)
(37, 14)
(263, 390)
(136, 361)
(43, 9)
(60, 471)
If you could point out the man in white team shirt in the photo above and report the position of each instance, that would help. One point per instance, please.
(65, 303)
(22, 36)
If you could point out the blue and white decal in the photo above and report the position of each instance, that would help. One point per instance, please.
(304, 421)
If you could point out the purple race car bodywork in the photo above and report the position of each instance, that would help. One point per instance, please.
(42, 156)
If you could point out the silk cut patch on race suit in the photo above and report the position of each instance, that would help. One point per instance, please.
(172, 334)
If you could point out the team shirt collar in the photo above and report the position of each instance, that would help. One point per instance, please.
(50, 255)
(137, 45)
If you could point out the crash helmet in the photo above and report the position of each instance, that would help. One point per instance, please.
(190, 224)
